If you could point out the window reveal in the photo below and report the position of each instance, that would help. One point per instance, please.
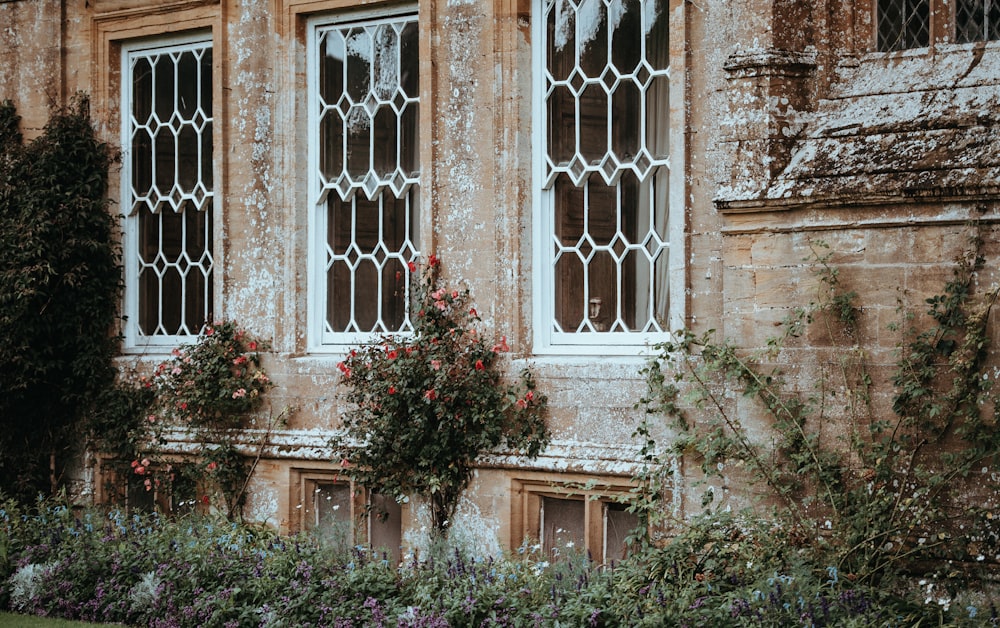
(606, 93)
(337, 510)
(366, 125)
(169, 189)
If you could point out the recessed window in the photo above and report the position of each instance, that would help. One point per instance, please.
(160, 488)
(167, 190)
(344, 513)
(364, 159)
(905, 24)
(977, 20)
(566, 521)
(604, 80)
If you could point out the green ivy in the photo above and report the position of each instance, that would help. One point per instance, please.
(424, 407)
(59, 285)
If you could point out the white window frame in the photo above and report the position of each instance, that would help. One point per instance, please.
(548, 341)
(319, 340)
(134, 340)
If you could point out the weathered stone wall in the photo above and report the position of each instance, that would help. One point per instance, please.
(759, 86)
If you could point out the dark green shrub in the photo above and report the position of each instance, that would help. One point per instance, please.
(59, 286)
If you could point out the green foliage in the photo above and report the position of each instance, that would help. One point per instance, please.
(425, 406)
(145, 570)
(59, 286)
(213, 389)
(215, 383)
(888, 497)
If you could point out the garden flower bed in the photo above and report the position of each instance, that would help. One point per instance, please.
(145, 570)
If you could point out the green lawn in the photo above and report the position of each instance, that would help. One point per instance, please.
(11, 620)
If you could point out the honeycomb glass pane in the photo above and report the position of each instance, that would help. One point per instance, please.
(594, 114)
(561, 30)
(359, 58)
(409, 54)
(163, 87)
(187, 85)
(655, 27)
(592, 37)
(331, 145)
(625, 25)
(142, 90)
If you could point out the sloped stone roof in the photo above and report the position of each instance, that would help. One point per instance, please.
(921, 124)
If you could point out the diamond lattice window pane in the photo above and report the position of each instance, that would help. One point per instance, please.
(902, 24)
(977, 20)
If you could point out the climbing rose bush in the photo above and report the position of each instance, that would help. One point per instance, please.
(423, 407)
(216, 382)
(213, 387)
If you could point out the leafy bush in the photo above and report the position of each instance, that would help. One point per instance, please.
(426, 405)
(145, 570)
(211, 388)
(59, 286)
(893, 500)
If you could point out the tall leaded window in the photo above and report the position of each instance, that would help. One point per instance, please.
(365, 169)
(167, 190)
(604, 105)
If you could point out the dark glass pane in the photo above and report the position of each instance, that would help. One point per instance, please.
(902, 24)
(656, 23)
(561, 53)
(142, 162)
(393, 294)
(562, 125)
(206, 82)
(187, 85)
(626, 121)
(569, 297)
(409, 140)
(166, 152)
(338, 297)
(206, 157)
(594, 114)
(626, 35)
(592, 39)
(188, 150)
(164, 87)
(563, 526)
(385, 526)
(331, 146)
(384, 157)
(142, 90)
(366, 299)
(618, 524)
(409, 73)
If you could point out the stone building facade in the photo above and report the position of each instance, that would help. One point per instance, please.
(598, 173)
